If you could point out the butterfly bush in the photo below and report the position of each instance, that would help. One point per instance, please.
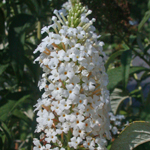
(73, 110)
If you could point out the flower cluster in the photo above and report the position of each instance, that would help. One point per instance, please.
(116, 122)
(73, 110)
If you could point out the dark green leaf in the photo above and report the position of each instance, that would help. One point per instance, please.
(5, 110)
(20, 101)
(133, 135)
(112, 58)
(115, 75)
(145, 75)
(145, 113)
(17, 95)
(2, 27)
(6, 131)
(145, 18)
(16, 39)
(132, 38)
(149, 4)
(148, 98)
(146, 48)
(3, 68)
(139, 41)
(32, 5)
(34, 69)
(125, 61)
(19, 114)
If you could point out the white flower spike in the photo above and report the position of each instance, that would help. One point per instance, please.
(73, 110)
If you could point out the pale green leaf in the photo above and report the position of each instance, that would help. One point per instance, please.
(116, 98)
(132, 136)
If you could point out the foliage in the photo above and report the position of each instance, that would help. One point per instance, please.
(20, 23)
(132, 136)
(126, 33)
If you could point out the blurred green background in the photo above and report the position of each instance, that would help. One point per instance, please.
(125, 29)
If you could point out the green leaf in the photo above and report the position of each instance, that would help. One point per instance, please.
(145, 113)
(125, 61)
(34, 69)
(136, 93)
(146, 49)
(145, 18)
(32, 5)
(19, 114)
(6, 131)
(16, 39)
(17, 95)
(132, 38)
(2, 26)
(132, 136)
(148, 4)
(20, 101)
(116, 98)
(145, 75)
(115, 75)
(148, 98)
(3, 68)
(112, 58)
(139, 41)
(5, 110)
(136, 69)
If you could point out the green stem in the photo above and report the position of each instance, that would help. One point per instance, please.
(141, 56)
(139, 86)
(68, 148)
(39, 30)
(68, 138)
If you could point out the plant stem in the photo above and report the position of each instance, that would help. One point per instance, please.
(39, 30)
(133, 49)
(68, 138)
(139, 86)
(68, 148)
